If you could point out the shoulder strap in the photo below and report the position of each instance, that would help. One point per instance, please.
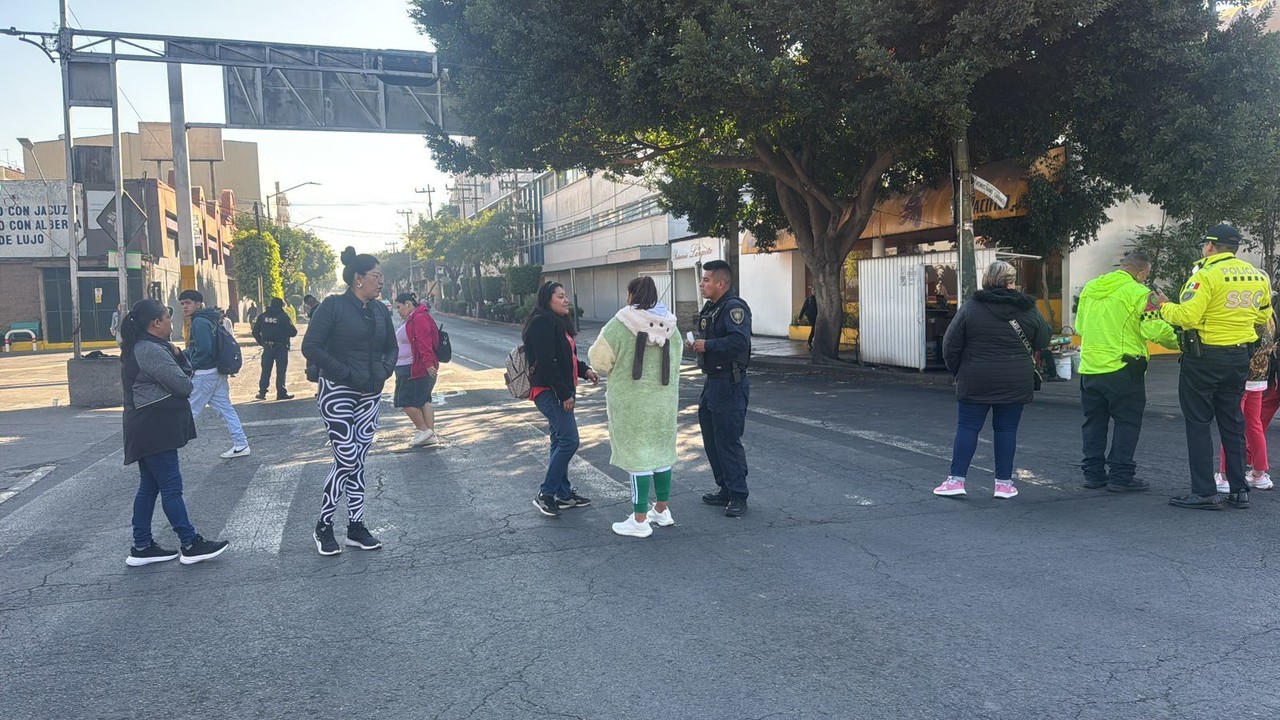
(1021, 336)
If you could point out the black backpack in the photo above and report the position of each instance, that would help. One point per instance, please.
(226, 351)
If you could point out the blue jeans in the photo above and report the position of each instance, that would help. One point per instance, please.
(212, 389)
(160, 476)
(564, 443)
(1004, 424)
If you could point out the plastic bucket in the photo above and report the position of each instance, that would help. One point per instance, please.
(1062, 364)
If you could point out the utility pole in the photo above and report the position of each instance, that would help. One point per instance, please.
(964, 218)
(408, 228)
(431, 208)
(257, 218)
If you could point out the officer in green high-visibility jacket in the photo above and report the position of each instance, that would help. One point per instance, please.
(1218, 312)
(1115, 321)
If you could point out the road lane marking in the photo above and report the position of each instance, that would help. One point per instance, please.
(53, 503)
(31, 479)
(257, 522)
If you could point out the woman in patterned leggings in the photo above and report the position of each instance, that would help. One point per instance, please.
(351, 345)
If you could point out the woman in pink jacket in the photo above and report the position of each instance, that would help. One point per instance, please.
(417, 366)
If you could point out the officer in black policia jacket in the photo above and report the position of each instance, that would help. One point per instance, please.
(724, 351)
(273, 330)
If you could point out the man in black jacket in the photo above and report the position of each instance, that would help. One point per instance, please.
(273, 330)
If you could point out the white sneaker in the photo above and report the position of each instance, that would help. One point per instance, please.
(424, 437)
(1259, 482)
(1224, 487)
(632, 528)
(236, 452)
(661, 519)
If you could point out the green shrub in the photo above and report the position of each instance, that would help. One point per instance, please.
(523, 279)
(491, 288)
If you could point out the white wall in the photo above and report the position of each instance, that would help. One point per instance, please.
(766, 283)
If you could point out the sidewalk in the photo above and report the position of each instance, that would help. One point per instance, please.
(788, 355)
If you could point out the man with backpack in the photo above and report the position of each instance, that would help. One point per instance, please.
(273, 329)
(214, 356)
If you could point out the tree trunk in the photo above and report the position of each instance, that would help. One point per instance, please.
(827, 285)
(1044, 292)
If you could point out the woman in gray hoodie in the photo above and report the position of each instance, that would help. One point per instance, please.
(156, 378)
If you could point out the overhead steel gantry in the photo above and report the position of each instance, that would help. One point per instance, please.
(267, 86)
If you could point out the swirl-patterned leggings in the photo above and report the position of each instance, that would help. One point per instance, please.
(352, 419)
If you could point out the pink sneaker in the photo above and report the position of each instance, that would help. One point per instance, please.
(1005, 489)
(953, 486)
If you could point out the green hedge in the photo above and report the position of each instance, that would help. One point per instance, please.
(523, 279)
(491, 288)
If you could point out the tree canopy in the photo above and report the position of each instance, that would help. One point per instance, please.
(257, 256)
(307, 263)
(820, 108)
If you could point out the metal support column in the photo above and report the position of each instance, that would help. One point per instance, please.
(182, 179)
(73, 251)
(117, 170)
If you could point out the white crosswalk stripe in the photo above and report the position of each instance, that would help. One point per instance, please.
(257, 522)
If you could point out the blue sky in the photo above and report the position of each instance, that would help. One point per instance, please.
(365, 178)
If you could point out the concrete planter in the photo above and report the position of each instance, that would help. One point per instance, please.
(848, 336)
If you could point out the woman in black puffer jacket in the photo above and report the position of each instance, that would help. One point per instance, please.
(994, 371)
(352, 342)
(554, 371)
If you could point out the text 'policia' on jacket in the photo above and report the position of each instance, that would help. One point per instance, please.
(725, 325)
(1225, 300)
(353, 343)
(1115, 319)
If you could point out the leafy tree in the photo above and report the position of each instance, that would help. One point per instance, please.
(1173, 247)
(257, 256)
(307, 263)
(1064, 208)
(466, 246)
(832, 103)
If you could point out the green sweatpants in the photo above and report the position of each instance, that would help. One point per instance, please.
(661, 480)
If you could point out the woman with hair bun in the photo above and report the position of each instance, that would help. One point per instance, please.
(156, 378)
(352, 341)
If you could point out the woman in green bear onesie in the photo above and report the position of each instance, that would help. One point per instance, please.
(642, 399)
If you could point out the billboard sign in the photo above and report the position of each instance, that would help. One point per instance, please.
(296, 99)
(33, 219)
(204, 144)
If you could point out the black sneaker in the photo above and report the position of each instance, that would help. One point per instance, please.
(146, 556)
(200, 550)
(262, 395)
(1095, 483)
(282, 395)
(1134, 485)
(325, 544)
(1198, 502)
(547, 505)
(1238, 499)
(574, 500)
(719, 498)
(359, 536)
(737, 507)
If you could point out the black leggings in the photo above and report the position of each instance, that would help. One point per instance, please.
(352, 419)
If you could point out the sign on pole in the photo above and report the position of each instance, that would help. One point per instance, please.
(1000, 199)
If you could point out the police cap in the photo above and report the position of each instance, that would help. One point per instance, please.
(1222, 234)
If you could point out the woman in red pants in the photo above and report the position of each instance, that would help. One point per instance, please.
(1259, 402)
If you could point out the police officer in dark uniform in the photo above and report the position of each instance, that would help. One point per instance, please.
(1217, 313)
(724, 352)
(273, 329)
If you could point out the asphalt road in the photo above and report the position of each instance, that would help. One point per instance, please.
(848, 591)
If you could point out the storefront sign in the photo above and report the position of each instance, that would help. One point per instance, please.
(33, 219)
(688, 253)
